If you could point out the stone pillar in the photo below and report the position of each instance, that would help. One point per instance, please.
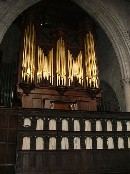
(126, 84)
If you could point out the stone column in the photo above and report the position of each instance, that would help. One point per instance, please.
(126, 84)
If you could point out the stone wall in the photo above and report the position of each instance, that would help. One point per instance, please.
(11, 44)
(109, 70)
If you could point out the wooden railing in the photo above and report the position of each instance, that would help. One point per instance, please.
(87, 142)
(102, 129)
(47, 138)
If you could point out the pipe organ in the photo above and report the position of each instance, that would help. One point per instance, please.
(58, 66)
(45, 63)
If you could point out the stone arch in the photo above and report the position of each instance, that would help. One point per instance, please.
(116, 33)
(110, 24)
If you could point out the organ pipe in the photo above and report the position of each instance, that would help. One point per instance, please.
(75, 68)
(28, 57)
(45, 63)
(90, 62)
(61, 62)
(45, 66)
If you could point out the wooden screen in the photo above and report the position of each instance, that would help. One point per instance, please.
(8, 123)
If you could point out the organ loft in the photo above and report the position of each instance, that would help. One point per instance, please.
(60, 121)
(58, 66)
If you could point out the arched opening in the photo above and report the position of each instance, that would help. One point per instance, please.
(91, 11)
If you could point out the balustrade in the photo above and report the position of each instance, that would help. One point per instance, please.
(58, 140)
(61, 131)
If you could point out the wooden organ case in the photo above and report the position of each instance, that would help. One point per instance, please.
(58, 66)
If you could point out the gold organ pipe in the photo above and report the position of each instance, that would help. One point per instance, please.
(45, 63)
(28, 59)
(90, 62)
(70, 67)
(45, 66)
(75, 68)
(61, 62)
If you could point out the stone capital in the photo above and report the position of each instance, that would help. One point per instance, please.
(126, 81)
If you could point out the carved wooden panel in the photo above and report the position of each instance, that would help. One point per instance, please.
(80, 161)
(36, 103)
(43, 97)
(8, 124)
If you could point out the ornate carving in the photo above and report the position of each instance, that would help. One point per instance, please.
(26, 87)
(61, 89)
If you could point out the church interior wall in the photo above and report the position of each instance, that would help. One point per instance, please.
(109, 70)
